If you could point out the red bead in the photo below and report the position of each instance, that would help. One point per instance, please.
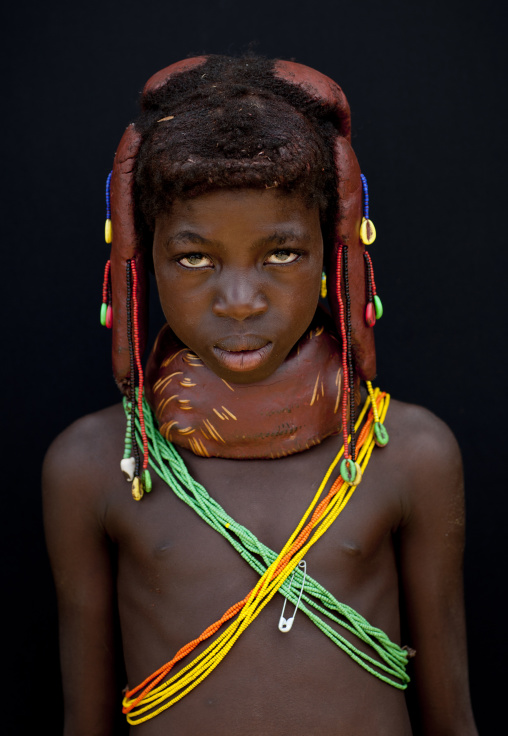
(106, 282)
(109, 317)
(370, 314)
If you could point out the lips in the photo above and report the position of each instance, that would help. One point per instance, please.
(242, 353)
(241, 343)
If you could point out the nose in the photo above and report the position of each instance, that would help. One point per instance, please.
(239, 297)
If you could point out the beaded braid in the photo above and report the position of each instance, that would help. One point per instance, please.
(132, 402)
(106, 306)
(107, 302)
(108, 230)
(365, 187)
(345, 372)
(373, 311)
(367, 229)
(349, 469)
(128, 462)
(138, 363)
(142, 481)
(374, 308)
(352, 406)
(370, 312)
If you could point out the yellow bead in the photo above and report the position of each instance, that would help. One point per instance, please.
(324, 290)
(358, 476)
(367, 231)
(108, 231)
(137, 489)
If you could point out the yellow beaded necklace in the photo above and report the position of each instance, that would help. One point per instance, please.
(153, 696)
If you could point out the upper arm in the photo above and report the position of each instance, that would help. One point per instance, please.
(79, 554)
(431, 552)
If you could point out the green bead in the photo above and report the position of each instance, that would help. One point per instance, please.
(169, 466)
(147, 480)
(381, 435)
(348, 471)
(378, 306)
(104, 310)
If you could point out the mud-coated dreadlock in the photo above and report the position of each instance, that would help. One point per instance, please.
(230, 123)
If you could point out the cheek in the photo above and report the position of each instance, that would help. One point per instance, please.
(176, 307)
(299, 304)
(311, 289)
(310, 285)
(170, 293)
(183, 308)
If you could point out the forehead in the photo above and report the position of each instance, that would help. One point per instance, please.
(241, 213)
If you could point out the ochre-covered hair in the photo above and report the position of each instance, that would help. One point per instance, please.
(214, 122)
(231, 123)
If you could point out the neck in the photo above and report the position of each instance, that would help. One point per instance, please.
(292, 410)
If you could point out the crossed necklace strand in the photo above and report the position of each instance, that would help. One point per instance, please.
(152, 696)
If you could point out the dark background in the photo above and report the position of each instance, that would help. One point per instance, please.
(426, 84)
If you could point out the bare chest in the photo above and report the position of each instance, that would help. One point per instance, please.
(178, 573)
(180, 546)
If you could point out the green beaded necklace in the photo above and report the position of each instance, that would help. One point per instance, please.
(167, 463)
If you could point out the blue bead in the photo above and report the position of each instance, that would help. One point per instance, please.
(365, 196)
(108, 188)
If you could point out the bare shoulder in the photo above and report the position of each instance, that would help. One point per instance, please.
(422, 431)
(88, 434)
(427, 457)
(80, 462)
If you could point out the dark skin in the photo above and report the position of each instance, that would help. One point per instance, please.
(234, 267)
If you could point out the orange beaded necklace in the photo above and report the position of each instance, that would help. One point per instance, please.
(152, 696)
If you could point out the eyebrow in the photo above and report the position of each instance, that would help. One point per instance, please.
(188, 235)
(279, 237)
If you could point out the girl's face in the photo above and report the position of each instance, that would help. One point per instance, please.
(238, 273)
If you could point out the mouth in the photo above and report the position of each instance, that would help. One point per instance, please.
(244, 353)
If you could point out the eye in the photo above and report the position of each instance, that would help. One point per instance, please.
(283, 256)
(195, 260)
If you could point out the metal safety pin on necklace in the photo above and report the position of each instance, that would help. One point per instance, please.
(285, 624)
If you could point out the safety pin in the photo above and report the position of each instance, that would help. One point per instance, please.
(285, 624)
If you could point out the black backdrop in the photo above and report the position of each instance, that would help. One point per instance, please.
(425, 81)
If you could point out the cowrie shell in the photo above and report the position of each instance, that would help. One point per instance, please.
(367, 231)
